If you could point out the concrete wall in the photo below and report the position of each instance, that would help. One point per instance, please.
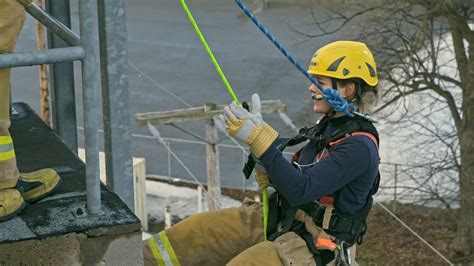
(75, 249)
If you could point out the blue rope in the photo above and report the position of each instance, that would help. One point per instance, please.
(332, 96)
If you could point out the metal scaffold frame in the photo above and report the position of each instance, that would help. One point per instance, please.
(109, 26)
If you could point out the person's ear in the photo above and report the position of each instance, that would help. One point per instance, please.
(348, 91)
(351, 90)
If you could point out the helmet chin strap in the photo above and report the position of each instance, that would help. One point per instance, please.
(331, 113)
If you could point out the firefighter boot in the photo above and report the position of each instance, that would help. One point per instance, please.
(11, 203)
(38, 184)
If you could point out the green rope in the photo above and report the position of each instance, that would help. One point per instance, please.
(209, 52)
(265, 213)
(232, 94)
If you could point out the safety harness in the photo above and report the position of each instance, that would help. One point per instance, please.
(345, 228)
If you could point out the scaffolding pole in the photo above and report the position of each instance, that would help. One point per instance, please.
(53, 24)
(89, 40)
(63, 99)
(115, 98)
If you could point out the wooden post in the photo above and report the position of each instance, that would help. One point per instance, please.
(395, 189)
(212, 160)
(200, 207)
(43, 70)
(167, 216)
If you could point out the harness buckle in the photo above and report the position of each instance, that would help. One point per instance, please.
(342, 258)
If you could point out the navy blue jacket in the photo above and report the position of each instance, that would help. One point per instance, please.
(348, 173)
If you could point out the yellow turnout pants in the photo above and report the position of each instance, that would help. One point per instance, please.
(231, 236)
(12, 17)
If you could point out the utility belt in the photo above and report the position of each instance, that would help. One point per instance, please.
(345, 229)
(349, 229)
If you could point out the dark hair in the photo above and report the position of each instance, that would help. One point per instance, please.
(366, 97)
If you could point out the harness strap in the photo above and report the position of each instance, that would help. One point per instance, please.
(359, 133)
(348, 228)
(299, 229)
(340, 224)
(372, 137)
(287, 223)
(327, 217)
(327, 200)
(296, 155)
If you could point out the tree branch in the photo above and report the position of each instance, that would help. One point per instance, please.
(451, 104)
(459, 49)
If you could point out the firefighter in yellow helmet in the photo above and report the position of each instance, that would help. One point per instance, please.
(323, 196)
(15, 187)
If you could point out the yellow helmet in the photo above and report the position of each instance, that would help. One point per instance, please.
(344, 60)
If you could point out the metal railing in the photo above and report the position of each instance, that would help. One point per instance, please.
(117, 124)
(414, 184)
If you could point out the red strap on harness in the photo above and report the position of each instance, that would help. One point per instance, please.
(296, 155)
(327, 200)
(372, 137)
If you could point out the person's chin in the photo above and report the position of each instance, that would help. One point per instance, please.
(319, 109)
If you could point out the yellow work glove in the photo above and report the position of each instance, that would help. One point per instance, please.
(261, 176)
(249, 127)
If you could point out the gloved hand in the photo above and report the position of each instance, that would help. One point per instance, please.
(249, 127)
(261, 176)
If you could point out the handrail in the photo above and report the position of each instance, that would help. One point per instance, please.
(49, 56)
(53, 25)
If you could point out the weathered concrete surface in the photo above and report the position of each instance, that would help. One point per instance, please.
(123, 249)
(61, 250)
(75, 249)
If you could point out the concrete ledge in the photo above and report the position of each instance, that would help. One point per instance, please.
(75, 249)
(57, 230)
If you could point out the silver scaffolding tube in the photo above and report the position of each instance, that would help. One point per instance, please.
(41, 57)
(53, 24)
(63, 97)
(89, 40)
(115, 98)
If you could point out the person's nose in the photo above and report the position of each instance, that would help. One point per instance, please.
(314, 89)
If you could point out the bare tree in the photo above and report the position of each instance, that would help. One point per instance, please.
(425, 54)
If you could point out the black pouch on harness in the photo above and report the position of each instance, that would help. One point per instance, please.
(279, 213)
(350, 228)
(283, 214)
